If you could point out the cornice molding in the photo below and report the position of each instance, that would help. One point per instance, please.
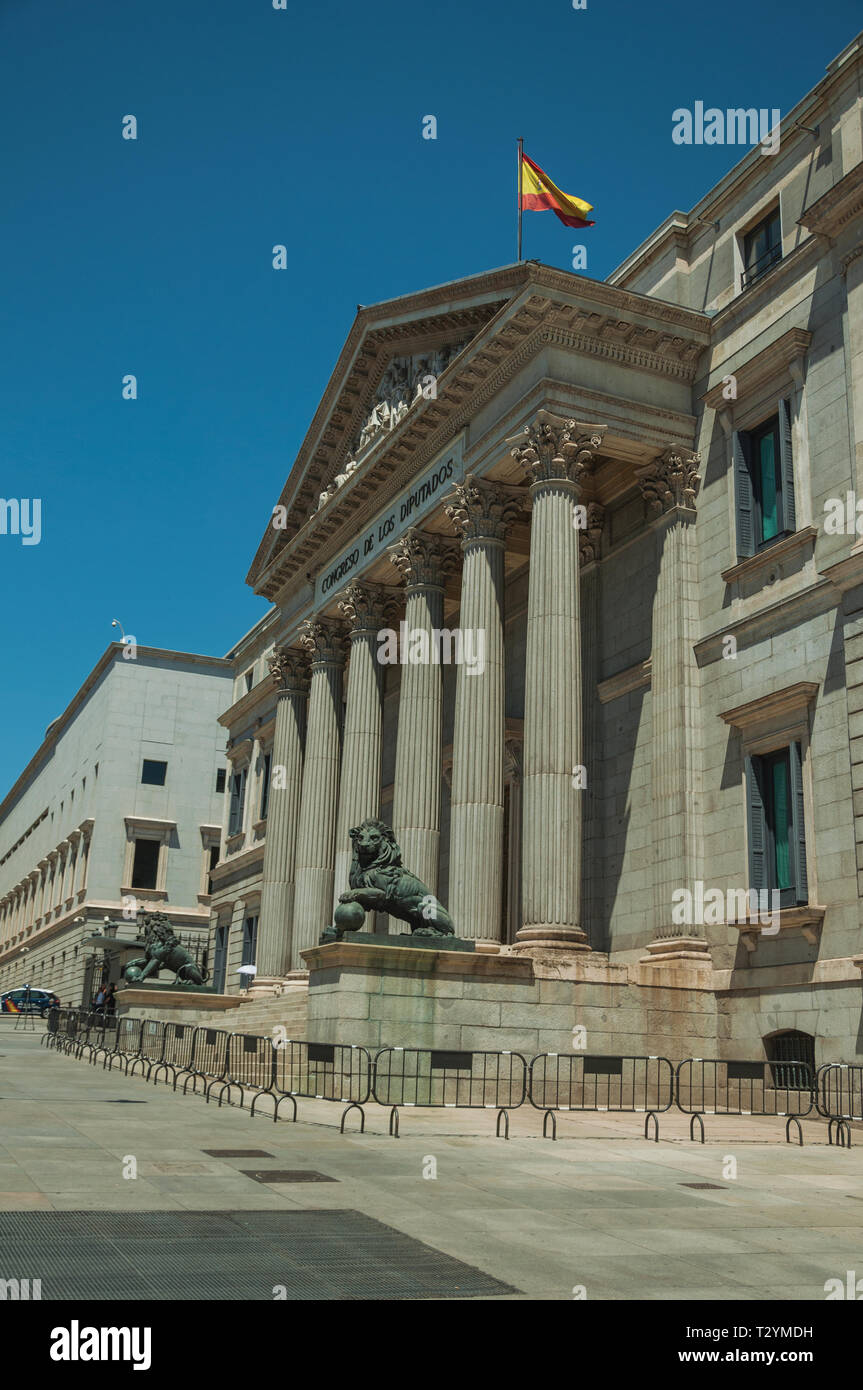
(830, 214)
(778, 706)
(671, 346)
(771, 361)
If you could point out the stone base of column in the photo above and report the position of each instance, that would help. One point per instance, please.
(554, 938)
(672, 948)
(266, 986)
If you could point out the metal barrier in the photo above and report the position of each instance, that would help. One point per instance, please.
(251, 1065)
(151, 1047)
(422, 1077)
(708, 1087)
(52, 1025)
(127, 1043)
(178, 1055)
(839, 1098)
(338, 1072)
(211, 1058)
(98, 1026)
(564, 1082)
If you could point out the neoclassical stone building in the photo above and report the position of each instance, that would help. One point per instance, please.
(625, 487)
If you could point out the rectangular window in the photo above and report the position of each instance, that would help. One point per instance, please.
(145, 865)
(220, 958)
(250, 941)
(248, 679)
(777, 834)
(265, 786)
(764, 483)
(153, 772)
(214, 859)
(762, 247)
(220, 781)
(238, 801)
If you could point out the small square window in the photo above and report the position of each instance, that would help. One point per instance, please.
(153, 772)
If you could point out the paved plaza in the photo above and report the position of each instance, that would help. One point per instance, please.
(601, 1209)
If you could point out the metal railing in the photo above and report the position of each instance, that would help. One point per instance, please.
(564, 1082)
(839, 1098)
(339, 1072)
(251, 1065)
(178, 1055)
(411, 1077)
(709, 1087)
(424, 1078)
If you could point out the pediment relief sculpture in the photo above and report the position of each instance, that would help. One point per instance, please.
(406, 381)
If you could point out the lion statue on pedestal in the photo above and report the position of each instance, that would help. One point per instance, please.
(380, 883)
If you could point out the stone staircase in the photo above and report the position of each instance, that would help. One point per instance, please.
(254, 1015)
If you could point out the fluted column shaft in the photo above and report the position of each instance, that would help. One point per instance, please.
(360, 790)
(670, 485)
(417, 784)
(316, 835)
(480, 513)
(557, 454)
(290, 673)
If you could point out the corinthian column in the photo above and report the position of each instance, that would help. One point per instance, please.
(366, 608)
(324, 641)
(290, 671)
(669, 485)
(422, 560)
(556, 454)
(481, 513)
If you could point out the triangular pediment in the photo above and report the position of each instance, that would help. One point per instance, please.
(413, 373)
(392, 365)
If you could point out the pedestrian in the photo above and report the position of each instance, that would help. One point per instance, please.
(111, 999)
(100, 1000)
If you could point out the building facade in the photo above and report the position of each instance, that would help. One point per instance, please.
(118, 812)
(612, 528)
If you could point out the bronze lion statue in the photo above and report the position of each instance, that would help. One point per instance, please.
(380, 883)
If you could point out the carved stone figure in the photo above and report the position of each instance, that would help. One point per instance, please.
(162, 951)
(380, 883)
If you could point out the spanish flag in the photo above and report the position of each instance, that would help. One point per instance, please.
(539, 194)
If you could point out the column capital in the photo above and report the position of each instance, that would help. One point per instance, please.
(367, 607)
(289, 668)
(324, 640)
(670, 480)
(590, 536)
(557, 450)
(423, 559)
(481, 509)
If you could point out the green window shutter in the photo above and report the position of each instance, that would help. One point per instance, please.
(801, 881)
(789, 510)
(756, 820)
(743, 497)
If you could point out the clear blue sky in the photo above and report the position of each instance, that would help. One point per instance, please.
(259, 126)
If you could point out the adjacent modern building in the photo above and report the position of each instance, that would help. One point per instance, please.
(117, 813)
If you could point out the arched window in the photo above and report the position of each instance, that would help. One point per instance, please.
(783, 1050)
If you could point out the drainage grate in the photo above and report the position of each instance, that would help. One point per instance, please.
(704, 1186)
(286, 1175)
(237, 1153)
(211, 1255)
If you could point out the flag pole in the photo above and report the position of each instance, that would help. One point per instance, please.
(520, 151)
